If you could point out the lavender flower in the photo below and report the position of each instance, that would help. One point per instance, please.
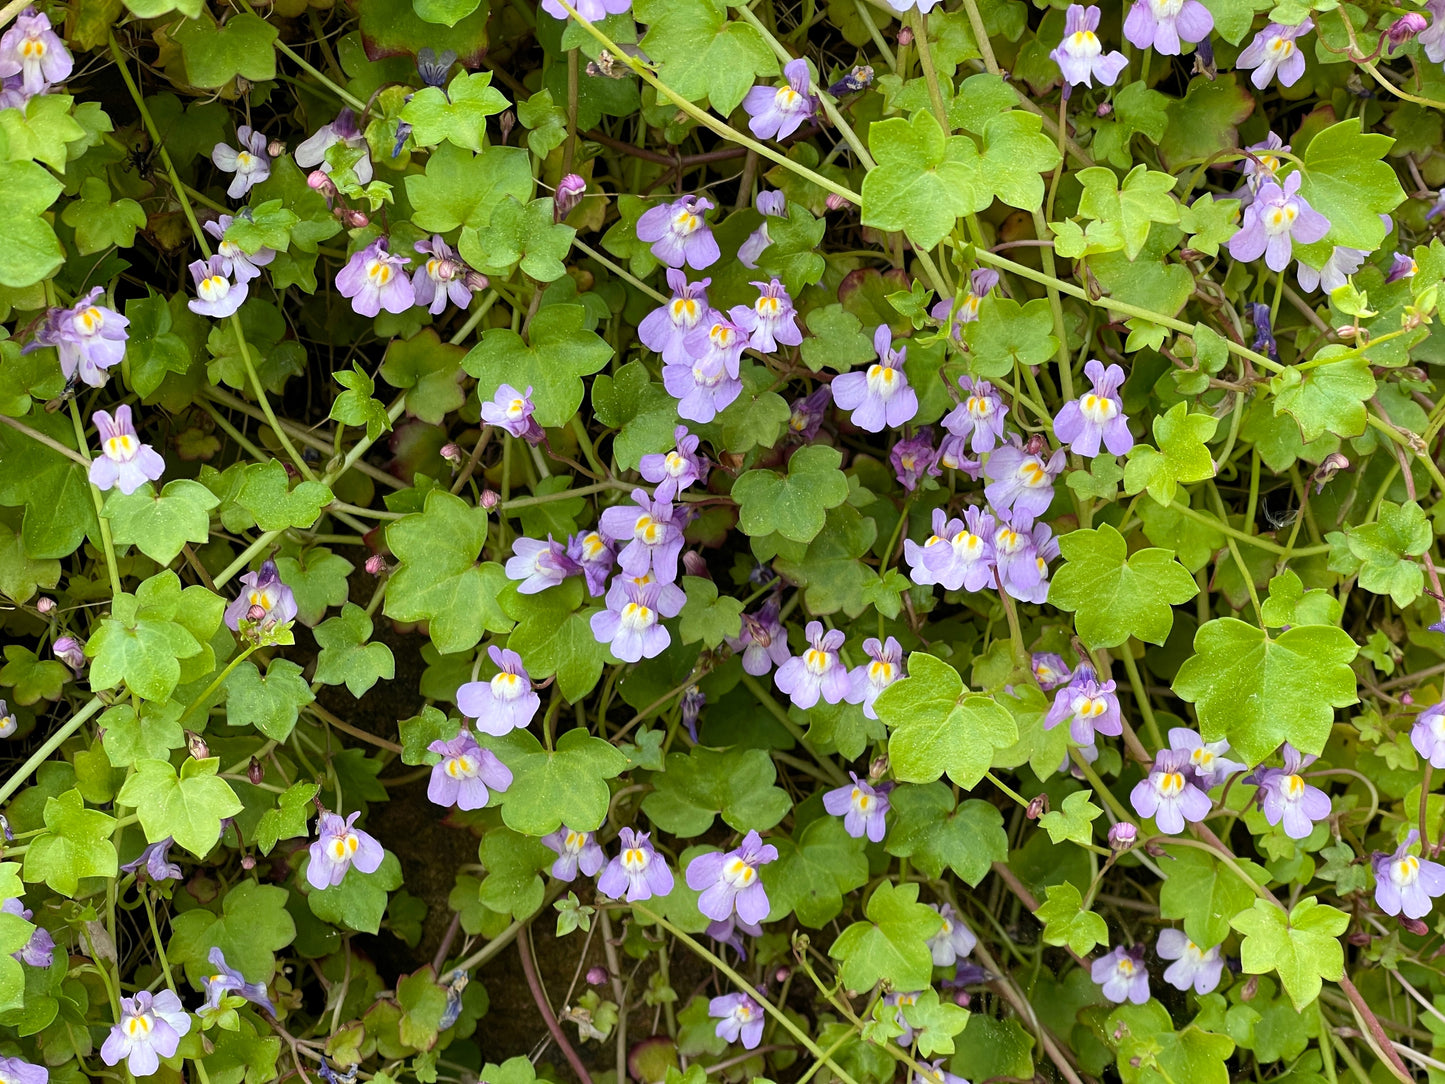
(89, 338)
(981, 280)
(1170, 793)
(1274, 52)
(1022, 550)
(867, 681)
(654, 539)
(70, 651)
(762, 641)
(1193, 966)
(1208, 761)
(861, 806)
(216, 295)
(808, 413)
(729, 881)
(717, 344)
(339, 846)
(881, 396)
(1277, 218)
(512, 410)
(32, 50)
(155, 859)
(980, 416)
(953, 454)
(633, 630)
(818, 671)
(1050, 670)
(729, 932)
(264, 600)
(1433, 38)
(441, 277)
(679, 234)
(1163, 24)
(570, 190)
(899, 1000)
(1090, 706)
(150, 1028)
(774, 320)
(8, 722)
(966, 561)
(1286, 798)
(1080, 56)
(39, 951)
(776, 113)
(921, 557)
(914, 458)
(1019, 480)
(311, 154)
(638, 872)
(465, 772)
(251, 164)
(18, 1071)
(770, 204)
(676, 470)
(124, 462)
(1097, 417)
(1261, 166)
(593, 11)
(690, 709)
(1122, 835)
(1404, 29)
(953, 941)
(595, 556)
(12, 92)
(504, 703)
(1122, 975)
(539, 565)
(739, 1017)
(1405, 884)
(1330, 276)
(374, 280)
(702, 392)
(933, 1072)
(665, 329)
(226, 979)
(236, 262)
(1402, 266)
(1428, 733)
(575, 851)
(670, 597)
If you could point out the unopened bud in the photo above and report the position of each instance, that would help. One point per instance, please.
(248, 863)
(452, 454)
(1251, 989)
(596, 976)
(878, 768)
(352, 218)
(255, 772)
(905, 35)
(835, 202)
(1414, 925)
(694, 565)
(475, 281)
(1035, 445)
(569, 195)
(506, 122)
(376, 565)
(1122, 836)
(1104, 109)
(490, 498)
(1037, 807)
(44, 604)
(961, 998)
(1407, 698)
(780, 976)
(276, 148)
(196, 746)
(1359, 938)
(1330, 466)
(1405, 28)
(321, 181)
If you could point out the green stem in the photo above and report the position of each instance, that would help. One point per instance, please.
(778, 712)
(1145, 708)
(49, 442)
(106, 544)
(55, 741)
(156, 937)
(216, 684)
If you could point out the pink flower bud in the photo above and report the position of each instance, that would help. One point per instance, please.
(1037, 807)
(1105, 108)
(961, 998)
(255, 772)
(249, 862)
(835, 202)
(569, 195)
(322, 183)
(475, 281)
(376, 565)
(351, 218)
(596, 976)
(780, 976)
(196, 745)
(506, 122)
(1414, 925)
(694, 565)
(452, 454)
(256, 613)
(1122, 836)
(1405, 28)
(44, 604)
(905, 35)
(276, 148)
(490, 499)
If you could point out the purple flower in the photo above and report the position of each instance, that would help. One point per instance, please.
(776, 113)
(375, 280)
(1405, 28)
(729, 881)
(1080, 56)
(880, 396)
(1402, 266)
(690, 709)
(575, 851)
(1097, 417)
(899, 1000)
(1330, 276)
(441, 277)
(124, 462)
(236, 262)
(70, 651)
(1193, 966)
(512, 410)
(1022, 550)
(717, 344)
(539, 565)
(1019, 480)
(702, 392)
(1433, 39)
(12, 92)
(953, 454)
(738, 1017)
(638, 872)
(465, 772)
(933, 1072)
(980, 416)
(1275, 51)
(156, 861)
(1163, 24)
(770, 204)
(595, 556)
(251, 164)
(678, 469)
(311, 154)
(89, 338)
(1090, 706)
(339, 846)
(216, 295)
(809, 412)
(966, 559)
(32, 50)
(634, 630)
(654, 539)
(679, 234)
(914, 458)
(8, 722)
(1050, 670)
(593, 11)
(1405, 884)
(1170, 793)
(17, 1071)
(264, 600)
(1122, 835)
(762, 641)
(953, 941)
(729, 932)
(1285, 796)
(504, 703)
(867, 681)
(1261, 166)
(1122, 975)
(670, 597)
(981, 280)
(861, 806)
(570, 190)
(1208, 761)
(1274, 221)
(226, 979)
(150, 1028)
(39, 951)
(1428, 734)
(774, 320)
(665, 329)
(818, 671)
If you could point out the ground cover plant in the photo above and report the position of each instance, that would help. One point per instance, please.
(841, 540)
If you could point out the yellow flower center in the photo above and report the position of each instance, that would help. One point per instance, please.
(1280, 47)
(738, 872)
(685, 222)
(379, 272)
(1294, 788)
(685, 310)
(1098, 408)
(139, 1026)
(1084, 43)
(880, 672)
(634, 859)
(1170, 784)
(121, 447)
(637, 616)
(91, 321)
(787, 99)
(1032, 474)
(817, 662)
(461, 767)
(768, 306)
(33, 49)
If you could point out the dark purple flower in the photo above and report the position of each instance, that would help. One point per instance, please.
(1020, 481)
(729, 881)
(156, 861)
(679, 234)
(1193, 966)
(1405, 884)
(595, 556)
(1097, 417)
(570, 190)
(979, 417)
(866, 682)
(730, 932)
(236, 262)
(374, 280)
(1080, 56)
(690, 706)
(262, 591)
(880, 396)
(739, 1017)
(512, 410)
(915, 457)
(774, 320)
(1286, 798)
(638, 872)
(575, 851)
(634, 630)
(433, 69)
(762, 641)
(1275, 50)
(1402, 266)
(311, 154)
(674, 471)
(1090, 707)
(226, 980)
(1163, 24)
(89, 338)
(124, 462)
(466, 773)
(665, 329)
(251, 164)
(1405, 28)
(1263, 329)
(861, 806)
(503, 703)
(980, 281)
(1122, 975)
(809, 412)
(539, 565)
(216, 295)
(953, 941)
(441, 277)
(39, 951)
(150, 1028)
(1050, 670)
(1208, 761)
(339, 846)
(778, 112)
(1427, 735)
(32, 50)
(1277, 218)
(653, 537)
(818, 671)
(1170, 793)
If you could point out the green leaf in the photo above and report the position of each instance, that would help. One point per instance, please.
(1182, 455)
(346, 657)
(431, 373)
(1129, 208)
(100, 223)
(40, 130)
(76, 843)
(737, 783)
(939, 726)
(793, 255)
(54, 489)
(460, 188)
(252, 927)
(566, 786)
(289, 818)
(704, 55)
(152, 733)
(154, 349)
(267, 494)
(1074, 821)
(1007, 334)
(439, 578)
(835, 340)
(519, 235)
(545, 121)
(1290, 604)
(271, 703)
(1204, 893)
(359, 901)
(513, 861)
(1209, 222)
(318, 580)
(1114, 598)
(793, 504)
(757, 416)
(160, 524)
(1067, 923)
(811, 876)
(890, 946)
(187, 806)
(1256, 691)
(30, 678)
(214, 55)
(1203, 122)
(1385, 549)
(423, 1004)
(630, 401)
(937, 833)
(558, 352)
(29, 249)
(355, 406)
(554, 637)
(707, 618)
(140, 643)
(1303, 948)
(924, 181)
(1346, 180)
(934, 1023)
(1328, 398)
(831, 572)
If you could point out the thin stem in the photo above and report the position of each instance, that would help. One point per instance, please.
(41, 755)
(529, 969)
(40, 438)
(778, 712)
(106, 544)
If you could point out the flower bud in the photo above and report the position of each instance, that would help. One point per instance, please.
(506, 122)
(44, 604)
(780, 976)
(255, 772)
(196, 746)
(322, 182)
(6, 829)
(1104, 109)
(835, 202)
(569, 195)
(1414, 925)
(961, 998)
(1251, 989)
(276, 148)
(1037, 807)
(256, 613)
(905, 35)
(1035, 445)
(1330, 466)
(878, 768)
(596, 976)
(1405, 28)
(490, 499)
(248, 862)
(1401, 267)
(693, 564)
(352, 218)
(1122, 836)
(1407, 698)
(475, 281)
(1359, 938)
(376, 565)
(452, 454)
(70, 651)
